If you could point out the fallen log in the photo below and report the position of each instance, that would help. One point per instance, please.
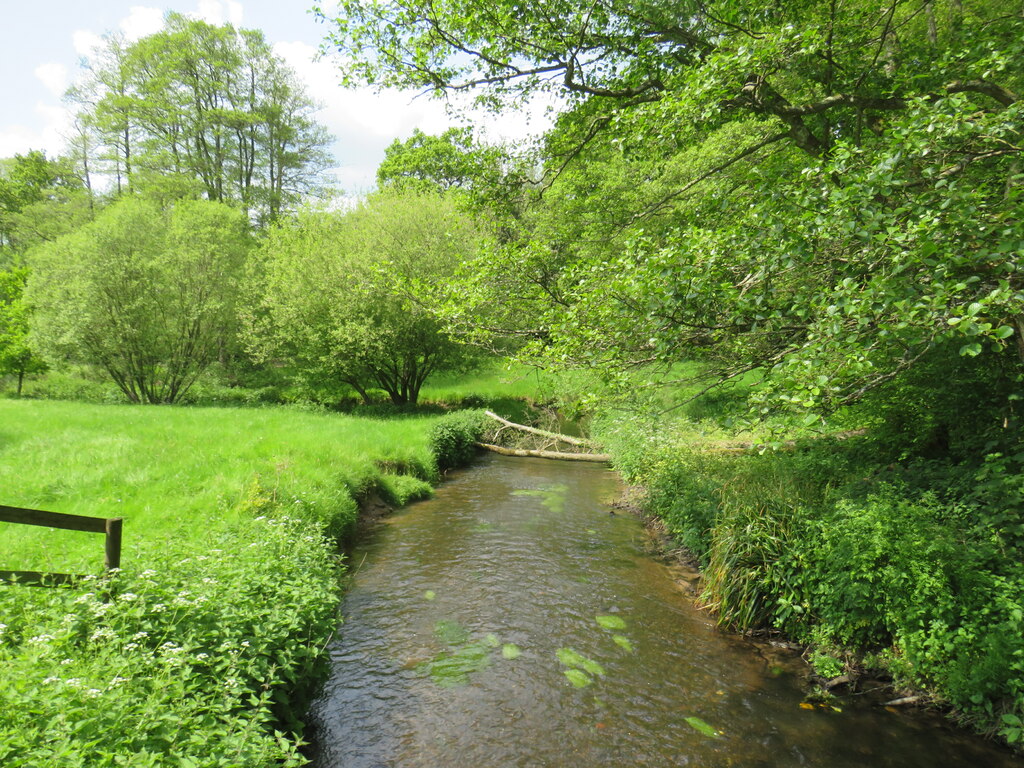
(582, 442)
(601, 458)
(903, 702)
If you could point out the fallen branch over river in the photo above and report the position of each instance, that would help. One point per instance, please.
(582, 442)
(523, 452)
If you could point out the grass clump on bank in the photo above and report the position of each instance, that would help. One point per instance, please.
(201, 651)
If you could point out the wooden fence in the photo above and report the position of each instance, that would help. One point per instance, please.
(109, 526)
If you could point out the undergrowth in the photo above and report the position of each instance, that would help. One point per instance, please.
(916, 565)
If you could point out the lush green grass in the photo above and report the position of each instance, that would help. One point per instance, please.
(181, 472)
(206, 641)
(491, 381)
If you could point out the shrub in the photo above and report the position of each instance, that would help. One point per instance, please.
(453, 438)
(194, 661)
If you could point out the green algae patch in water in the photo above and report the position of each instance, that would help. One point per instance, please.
(551, 496)
(572, 658)
(429, 594)
(510, 651)
(623, 642)
(451, 632)
(702, 727)
(578, 678)
(453, 668)
(611, 622)
(492, 640)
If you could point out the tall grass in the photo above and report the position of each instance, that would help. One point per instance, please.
(181, 472)
(921, 579)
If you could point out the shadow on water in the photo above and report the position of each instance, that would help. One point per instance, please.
(512, 621)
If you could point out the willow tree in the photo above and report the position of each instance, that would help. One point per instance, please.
(341, 297)
(145, 293)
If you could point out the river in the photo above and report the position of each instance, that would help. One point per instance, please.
(514, 621)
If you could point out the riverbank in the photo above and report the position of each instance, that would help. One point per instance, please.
(206, 645)
(901, 571)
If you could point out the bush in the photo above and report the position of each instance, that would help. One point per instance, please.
(453, 438)
(194, 661)
(822, 543)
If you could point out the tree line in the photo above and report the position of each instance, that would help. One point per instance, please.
(206, 246)
(822, 196)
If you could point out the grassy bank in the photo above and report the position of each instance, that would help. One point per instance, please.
(200, 651)
(897, 566)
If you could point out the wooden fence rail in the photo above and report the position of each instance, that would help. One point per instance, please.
(109, 526)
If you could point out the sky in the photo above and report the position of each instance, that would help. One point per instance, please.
(42, 46)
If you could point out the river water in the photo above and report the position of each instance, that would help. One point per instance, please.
(513, 621)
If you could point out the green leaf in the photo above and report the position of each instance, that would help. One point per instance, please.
(699, 725)
(970, 350)
(577, 678)
(572, 658)
(623, 642)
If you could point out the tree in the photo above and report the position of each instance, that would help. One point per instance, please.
(823, 192)
(146, 293)
(452, 160)
(26, 181)
(16, 356)
(210, 103)
(336, 295)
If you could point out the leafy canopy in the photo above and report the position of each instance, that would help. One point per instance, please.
(340, 296)
(826, 193)
(146, 293)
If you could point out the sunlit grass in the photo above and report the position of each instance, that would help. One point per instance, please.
(494, 380)
(183, 472)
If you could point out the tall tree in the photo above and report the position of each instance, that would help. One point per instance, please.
(826, 192)
(210, 103)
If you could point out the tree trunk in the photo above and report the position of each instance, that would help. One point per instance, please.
(601, 458)
(583, 443)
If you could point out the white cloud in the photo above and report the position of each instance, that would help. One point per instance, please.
(219, 12)
(365, 121)
(141, 21)
(56, 124)
(54, 76)
(85, 41)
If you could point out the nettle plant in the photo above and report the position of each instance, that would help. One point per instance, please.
(200, 659)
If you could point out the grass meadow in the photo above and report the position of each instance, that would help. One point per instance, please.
(200, 652)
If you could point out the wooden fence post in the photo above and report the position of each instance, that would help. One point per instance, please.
(112, 558)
